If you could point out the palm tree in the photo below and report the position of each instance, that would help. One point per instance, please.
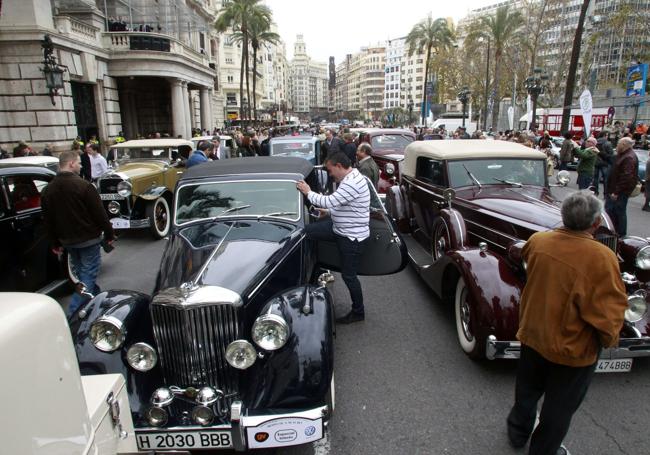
(237, 15)
(428, 36)
(573, 67)
(499, 28)
(260, 35)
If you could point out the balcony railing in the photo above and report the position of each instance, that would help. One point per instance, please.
(79, 30)
(151, 42)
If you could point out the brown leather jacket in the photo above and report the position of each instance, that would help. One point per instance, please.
(624, 174)
(574, 299)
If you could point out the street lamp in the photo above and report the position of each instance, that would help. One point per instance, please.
(535, 85)
(410, 106)
(463, 97)
(52, 70)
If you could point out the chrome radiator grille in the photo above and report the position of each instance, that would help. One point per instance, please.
(109, 185)
(192, 345)
(608, 240)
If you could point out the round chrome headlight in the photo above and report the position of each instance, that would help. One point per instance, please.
(124, 188)
(389, 168)
(107, 334)
(636, 308)
(270, 332)
(241, 354)
(202, 415)
(156, 417)
(141, 357)
(642, 260)
(563, 177)
(113, 207)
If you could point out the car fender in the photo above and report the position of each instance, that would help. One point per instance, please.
(132, 310)
(456, 227)
(495, 289)
(153, 193)
(299, 373)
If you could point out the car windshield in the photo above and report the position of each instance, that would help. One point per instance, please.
(390, 142)
(301, 149)
(272, 198)
(497, 171)
(157, 153)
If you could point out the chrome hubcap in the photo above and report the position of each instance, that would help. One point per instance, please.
(465, 318)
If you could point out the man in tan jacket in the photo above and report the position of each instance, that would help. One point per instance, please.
(573, 305)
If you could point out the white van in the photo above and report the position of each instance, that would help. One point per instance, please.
(451, 124)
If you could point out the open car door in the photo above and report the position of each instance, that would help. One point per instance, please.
(384, 252)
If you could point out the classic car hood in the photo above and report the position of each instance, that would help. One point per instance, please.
(237, 254)
(530, 205)
(137, 169)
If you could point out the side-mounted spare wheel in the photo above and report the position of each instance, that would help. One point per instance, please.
(159, 217)
(466, 322)
(441, 242)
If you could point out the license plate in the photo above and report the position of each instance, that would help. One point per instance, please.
(110, 197)
(614, 366)
(184, 440)
(120, 223)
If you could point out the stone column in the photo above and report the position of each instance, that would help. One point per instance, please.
(187, 131)
(206, 119)
(178, 110)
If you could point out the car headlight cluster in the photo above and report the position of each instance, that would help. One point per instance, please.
(270, 332)
(107, 334)
(642, 260)
(389, 168)
(124, 188)
(636, 307)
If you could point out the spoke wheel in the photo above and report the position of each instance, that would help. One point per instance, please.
(465, 322)
(441, 239)
(158, 214)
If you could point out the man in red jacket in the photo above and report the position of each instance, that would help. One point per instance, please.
(622, 179)
(75, 220)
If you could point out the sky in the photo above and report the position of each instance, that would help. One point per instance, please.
(340, 27)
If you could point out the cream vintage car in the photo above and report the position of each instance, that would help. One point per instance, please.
(137, 191)
(59, 411)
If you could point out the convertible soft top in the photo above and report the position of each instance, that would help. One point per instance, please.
(250, 165)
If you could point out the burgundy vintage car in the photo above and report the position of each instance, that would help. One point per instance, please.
(469, 207)
(388, 151)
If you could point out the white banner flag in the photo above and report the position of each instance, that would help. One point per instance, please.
(511, 117)
(586, 107)
(529, 111)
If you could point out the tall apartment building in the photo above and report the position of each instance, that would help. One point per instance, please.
(276, 79)
(308, 82)
(135, 66)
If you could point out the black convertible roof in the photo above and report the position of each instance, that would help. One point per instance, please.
(250, 165)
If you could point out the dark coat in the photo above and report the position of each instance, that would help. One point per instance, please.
(350, 149)
(624, 174)
(336, 146)
(605, 153)
(86, 171)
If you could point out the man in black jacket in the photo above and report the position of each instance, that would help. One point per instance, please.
(331, 144)
(75, 220)
(603, 162)
(350, 148)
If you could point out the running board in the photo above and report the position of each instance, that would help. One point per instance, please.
(52, 287)
(419, 257)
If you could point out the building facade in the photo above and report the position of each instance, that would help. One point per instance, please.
(140, 68)
(308, 84)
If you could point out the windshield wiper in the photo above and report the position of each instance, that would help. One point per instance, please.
(234, 209)
(508, 182)
(472, 177)
(280, 214)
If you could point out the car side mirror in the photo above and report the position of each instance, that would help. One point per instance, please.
(448, 195)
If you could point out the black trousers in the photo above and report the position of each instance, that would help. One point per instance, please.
(563, 388)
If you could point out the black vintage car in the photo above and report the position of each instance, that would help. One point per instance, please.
(235, 347)
(26, 262)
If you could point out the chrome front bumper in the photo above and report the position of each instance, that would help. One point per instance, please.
(627, 348)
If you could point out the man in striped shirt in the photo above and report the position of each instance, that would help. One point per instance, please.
(347, 224)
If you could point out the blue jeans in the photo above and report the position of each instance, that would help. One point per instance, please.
(616, 209)
(350, 251)
(602, 171)
(584, 180)
(85, 265)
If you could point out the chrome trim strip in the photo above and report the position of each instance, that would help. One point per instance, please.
(312, 414)
(197, 296)
(188, 428)
(492, 242)
(298, 243)
(460, 227)
(514, 239)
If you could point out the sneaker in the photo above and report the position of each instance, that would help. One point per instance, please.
(350, 318)
(562, 451)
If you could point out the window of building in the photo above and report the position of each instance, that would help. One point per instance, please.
(229, 61)
(231, 79)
